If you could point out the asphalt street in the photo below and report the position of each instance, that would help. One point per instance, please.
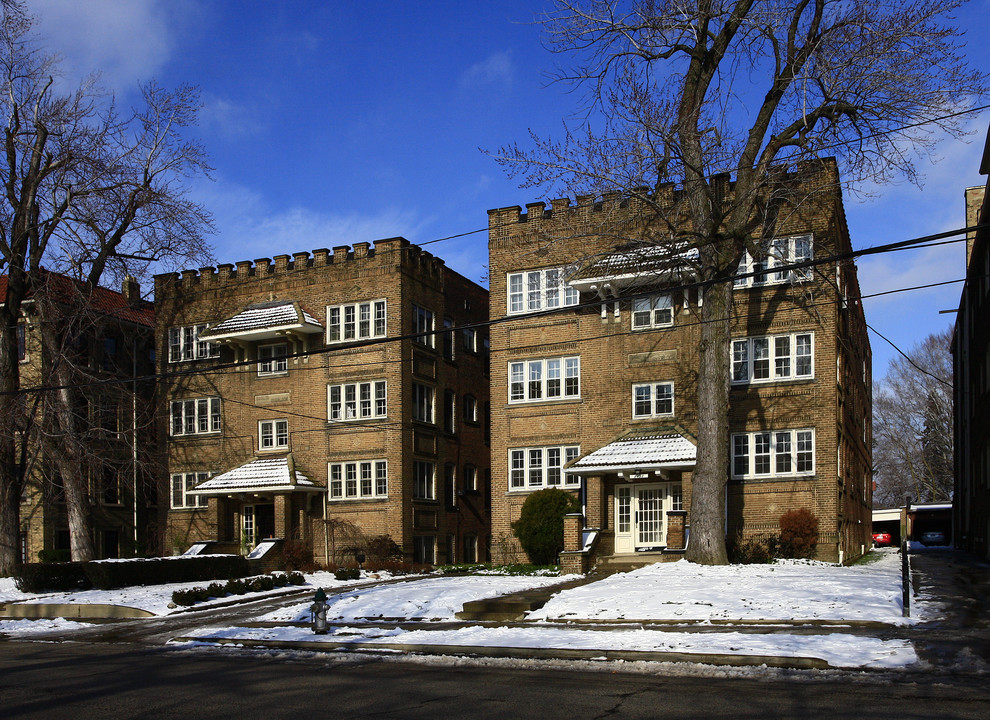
(77, 681)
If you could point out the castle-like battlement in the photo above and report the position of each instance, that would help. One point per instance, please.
(667, 195)
(395, 252)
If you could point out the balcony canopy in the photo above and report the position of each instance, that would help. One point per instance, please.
(265, 321)
(635, 266)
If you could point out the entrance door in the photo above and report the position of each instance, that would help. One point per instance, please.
(257, 523)
(650, 516)
(640, 517)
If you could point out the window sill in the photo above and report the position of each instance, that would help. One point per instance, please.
(538, 403)
(770, 383)
(774, 478)
(355, 501)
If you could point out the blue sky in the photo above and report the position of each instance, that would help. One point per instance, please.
(336, 122)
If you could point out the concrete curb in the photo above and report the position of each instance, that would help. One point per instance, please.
(792, 663)
(82, 611)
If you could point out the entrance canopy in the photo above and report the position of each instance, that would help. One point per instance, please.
(267, 475)
(638, 454)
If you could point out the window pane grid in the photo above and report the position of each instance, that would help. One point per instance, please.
(792, 358)
(536, 380)
(356, 321)
(353, 401)
(358, 480)
(538, 467)
(778, 453)
(536, 290)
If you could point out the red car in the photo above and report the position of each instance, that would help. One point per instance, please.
(881, 539)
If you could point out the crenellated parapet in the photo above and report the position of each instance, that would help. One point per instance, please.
(386, 254)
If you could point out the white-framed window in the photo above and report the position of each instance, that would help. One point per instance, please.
(448, 339)
(653, 399)
(273, 434)
(773, 453)
(535, 468)
(470, 409)
(536, 290)
(182, 483)
(424, 480)
(777, 252)
(773, 358)
(470, 477)
(469, 339)
(272, 359)
(450, 484)
(184, 344)
(423, 399)
(423, 326)
(449, 411)
(545, 379)
(358, 480)
(356, 401)
(651, 312)
(195, 416)
(424, 549)
(356, 321)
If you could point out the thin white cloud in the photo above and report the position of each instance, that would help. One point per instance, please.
(497, 69)
(249, 228)
(228, 119)
(126, 42)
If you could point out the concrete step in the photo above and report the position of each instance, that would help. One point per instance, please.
(514, 606)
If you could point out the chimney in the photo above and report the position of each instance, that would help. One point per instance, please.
(131, 290)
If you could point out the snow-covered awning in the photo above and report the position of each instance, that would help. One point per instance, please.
(640, 453)
(266, 475)
(635, 266)
(265, 321)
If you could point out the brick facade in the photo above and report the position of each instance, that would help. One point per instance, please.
(118, 431)
(833, 402)
(971, 374)
(392, 278)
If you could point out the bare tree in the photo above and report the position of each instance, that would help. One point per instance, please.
(681, 91)
(88, 192)
(912, 425)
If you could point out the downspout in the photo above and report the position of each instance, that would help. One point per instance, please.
(134, 456)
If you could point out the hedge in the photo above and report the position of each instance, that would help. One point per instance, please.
(52, 576)
(104, 575)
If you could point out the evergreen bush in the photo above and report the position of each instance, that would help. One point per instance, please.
(540, 527)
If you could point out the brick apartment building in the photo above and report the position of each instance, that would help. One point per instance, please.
(594, 389)
(107, 338)
(971, 375)
(332, 400)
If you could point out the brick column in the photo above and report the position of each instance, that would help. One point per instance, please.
(573, 525)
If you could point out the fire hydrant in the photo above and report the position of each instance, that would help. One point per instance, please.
(318, 612)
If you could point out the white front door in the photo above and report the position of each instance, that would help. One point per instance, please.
(641, 517)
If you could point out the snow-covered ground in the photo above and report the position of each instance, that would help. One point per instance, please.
(786, 592)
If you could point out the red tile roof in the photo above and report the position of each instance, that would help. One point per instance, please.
(107, 302)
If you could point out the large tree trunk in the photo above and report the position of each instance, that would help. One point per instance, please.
(11, 477)
(64, 438)
(707, 543)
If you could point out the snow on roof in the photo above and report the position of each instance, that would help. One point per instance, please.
(636, 263)
(639, 452)
(266, 474)
(266, 316)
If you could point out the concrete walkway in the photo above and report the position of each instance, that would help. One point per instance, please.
(960, 640)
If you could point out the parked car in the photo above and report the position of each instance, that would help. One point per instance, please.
(882, 539)
(933, 537)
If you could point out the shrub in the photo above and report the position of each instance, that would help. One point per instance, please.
(296, 556)
(50, 555)
(383, 547)
(295, 578)
(752, 550)
(347, 573)
(798, 534)
(540, 527)
(51, 576)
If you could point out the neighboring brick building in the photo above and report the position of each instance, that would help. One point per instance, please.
(594, 390)
(971, 371)
(348, 420)
(108, 338)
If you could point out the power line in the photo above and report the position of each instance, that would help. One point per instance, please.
(924, 241)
